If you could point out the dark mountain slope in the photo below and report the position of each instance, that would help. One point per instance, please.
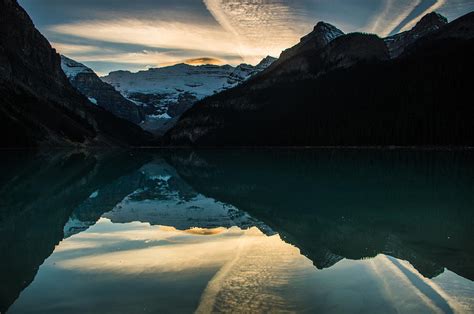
(429, 23)
(352, 93)
(322, 34)
(102, 94)
(462, 28)
(38, 106)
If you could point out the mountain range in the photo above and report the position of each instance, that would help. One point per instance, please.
(338, 204)
(164, 94)
(156, 98)
(336, 89)
(331, 89)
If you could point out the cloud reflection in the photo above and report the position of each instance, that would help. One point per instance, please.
(118, 265)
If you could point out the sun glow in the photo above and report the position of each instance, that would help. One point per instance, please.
(168, 42)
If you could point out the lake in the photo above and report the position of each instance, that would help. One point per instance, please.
(259, 231)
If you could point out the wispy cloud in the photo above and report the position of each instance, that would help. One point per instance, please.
(161, 32)
(141, 60)
(215, 42)
(176, 35)
(69, 49)
(397, 15)
(436, 6)
(260, 26)
(203, 60)
(392, 14)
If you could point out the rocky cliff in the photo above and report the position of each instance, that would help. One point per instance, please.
(38, 105)
(100, 93)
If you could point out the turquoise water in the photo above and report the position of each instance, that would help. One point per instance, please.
(327, 231)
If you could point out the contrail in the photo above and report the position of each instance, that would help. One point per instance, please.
(259, 27)
(217, 11)
(214, 286)
(375, 25)
(215, 8)
(432, 8)
(384, 29)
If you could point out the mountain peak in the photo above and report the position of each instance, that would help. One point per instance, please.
(268, 58)
(430, 22)
(323, 33)
(266, 62)
(72, 68)
(321, 25)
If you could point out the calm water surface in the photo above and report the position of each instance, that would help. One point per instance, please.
(304, 231)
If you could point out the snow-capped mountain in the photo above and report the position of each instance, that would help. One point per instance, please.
(99, 93)
(166, 93)
(166, 199)
(73, 68)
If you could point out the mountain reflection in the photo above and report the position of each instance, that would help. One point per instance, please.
(38, 195)
(242, 270)
(334, 204)
(146, 225)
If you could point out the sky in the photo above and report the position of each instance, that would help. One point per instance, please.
(109, 35)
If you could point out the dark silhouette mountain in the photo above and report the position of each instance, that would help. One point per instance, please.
(100, 93)
(335, 204)
(38, 106)
(355, 89)
(398, 43)
(321, 35)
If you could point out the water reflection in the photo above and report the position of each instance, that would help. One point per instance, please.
(334, 204)
(179, 231)
(229, 269)
(38, 194)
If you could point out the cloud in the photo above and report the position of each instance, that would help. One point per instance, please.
(392, 14)
(176, 35)
(260, 27)
(396, 15)
(216, 9)
(435, 6)
(116, 59)
(152, 58)
(203, 60)
(158, 33)
(69, 49)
